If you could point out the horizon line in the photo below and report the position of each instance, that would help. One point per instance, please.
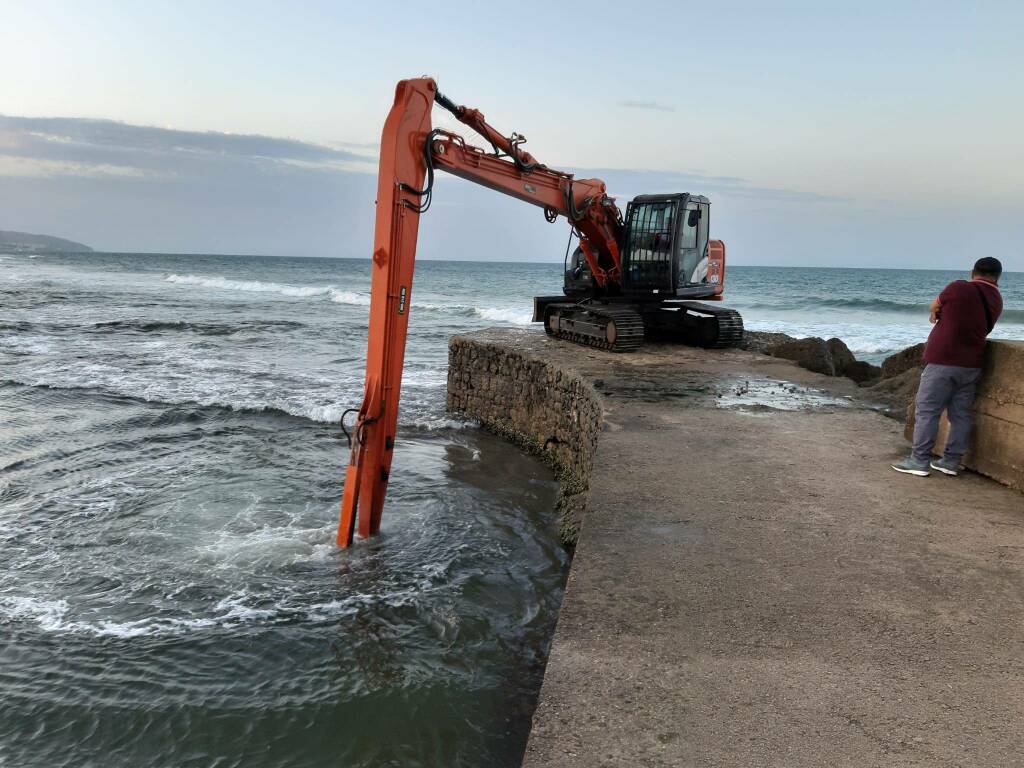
(467, 261)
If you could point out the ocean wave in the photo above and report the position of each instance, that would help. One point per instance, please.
(205, 329)
(152, 326)
(349, 297)
(509, 315)
(897, 307)
(805, 303)
(337, 295)
(504, 315)
(16, 327)
(441, 424)
(331, 292)
(318, 413)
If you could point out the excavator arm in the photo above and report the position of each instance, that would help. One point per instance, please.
(410, 152)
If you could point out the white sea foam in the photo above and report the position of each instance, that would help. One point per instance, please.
(331, 292)
(349, 297)
(510, 315)
(421, 395)
(442, 423)
(48, 614)
(26, 345)
(504, 315)
(230, 611)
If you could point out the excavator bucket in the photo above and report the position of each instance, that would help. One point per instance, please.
(400, 199)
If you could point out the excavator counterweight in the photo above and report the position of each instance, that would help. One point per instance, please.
(628, 275)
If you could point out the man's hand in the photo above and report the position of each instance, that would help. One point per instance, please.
(933, 316)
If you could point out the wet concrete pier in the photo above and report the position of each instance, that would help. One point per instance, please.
(752, 585)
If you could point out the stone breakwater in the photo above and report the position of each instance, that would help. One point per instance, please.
(544, 407)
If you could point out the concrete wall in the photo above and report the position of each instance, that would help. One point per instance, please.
(997, 446)
(543, 407)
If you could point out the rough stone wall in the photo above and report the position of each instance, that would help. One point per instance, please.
(545, 408)
(997, 445)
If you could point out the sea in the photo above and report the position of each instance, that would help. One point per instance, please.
(170, 475)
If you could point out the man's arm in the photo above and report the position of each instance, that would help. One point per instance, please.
(936, 307)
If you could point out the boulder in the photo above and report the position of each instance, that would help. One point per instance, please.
(896, 364)
(830, 357)
(862, 372)
(811, 353)
(896, 392)
(842, 357)
(761, 341)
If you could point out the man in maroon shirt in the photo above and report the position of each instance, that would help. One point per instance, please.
(964, 315)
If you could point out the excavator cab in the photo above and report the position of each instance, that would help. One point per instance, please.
(665, 247)
(664, 251)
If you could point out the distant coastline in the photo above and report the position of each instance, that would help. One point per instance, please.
(25, 242)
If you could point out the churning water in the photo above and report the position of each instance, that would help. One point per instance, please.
(170, 472)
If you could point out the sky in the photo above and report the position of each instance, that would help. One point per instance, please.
(825, 134)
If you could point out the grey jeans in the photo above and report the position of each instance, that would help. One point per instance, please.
(947, 388)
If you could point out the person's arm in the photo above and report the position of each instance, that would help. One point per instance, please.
(936, 307)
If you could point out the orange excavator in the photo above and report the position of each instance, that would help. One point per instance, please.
(628, 275)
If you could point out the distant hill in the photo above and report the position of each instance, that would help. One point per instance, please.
(23, 242)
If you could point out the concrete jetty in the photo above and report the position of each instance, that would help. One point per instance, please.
(752, 585)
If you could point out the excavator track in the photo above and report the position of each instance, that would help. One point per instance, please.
(730, 328)
(701, 324)
(719, 327)
(615, 329)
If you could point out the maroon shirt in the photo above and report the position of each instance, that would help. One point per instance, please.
(959, 336)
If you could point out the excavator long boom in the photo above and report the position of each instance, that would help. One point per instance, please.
(410, 152)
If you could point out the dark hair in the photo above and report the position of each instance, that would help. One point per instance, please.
(988, 266)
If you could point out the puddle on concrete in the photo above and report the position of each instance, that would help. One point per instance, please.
(760, 396)
(750, 395)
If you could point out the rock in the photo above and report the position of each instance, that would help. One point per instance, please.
(896, 392)
(815, 354)
(896, 364)
(862, 372)
(842, 357)
(831, 357)
(760, 341)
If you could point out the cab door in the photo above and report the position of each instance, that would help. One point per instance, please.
(692, 250)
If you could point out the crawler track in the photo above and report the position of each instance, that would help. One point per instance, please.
(615, 329)
(707, 325)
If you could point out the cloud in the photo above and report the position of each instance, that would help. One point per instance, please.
(62, 146)
(624, 183)
(135, 188)
(124, 187)
(651, 105)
